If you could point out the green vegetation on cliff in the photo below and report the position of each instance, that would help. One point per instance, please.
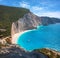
(9, 15)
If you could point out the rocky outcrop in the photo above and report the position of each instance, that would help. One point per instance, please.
(5, 40)
(49, 52)
(30, 21)
(13, 51)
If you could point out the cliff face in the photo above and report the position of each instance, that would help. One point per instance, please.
(30, 21)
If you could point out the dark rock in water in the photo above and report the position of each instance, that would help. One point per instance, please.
(13, 51)
(30, 21)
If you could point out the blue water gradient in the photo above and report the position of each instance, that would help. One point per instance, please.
(42, 37)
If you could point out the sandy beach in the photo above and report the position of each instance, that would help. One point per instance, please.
(17, 35)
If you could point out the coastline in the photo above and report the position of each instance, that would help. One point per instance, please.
(17, 35)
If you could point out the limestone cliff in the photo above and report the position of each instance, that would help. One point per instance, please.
(30, 21)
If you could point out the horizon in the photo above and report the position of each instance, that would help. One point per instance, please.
(39, 7)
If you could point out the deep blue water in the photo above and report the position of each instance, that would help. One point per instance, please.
(42, 37)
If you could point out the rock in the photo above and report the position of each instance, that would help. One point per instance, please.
(5, 40)
(38, 54)
(2, 41)
(8, 40)
(14, 51)
(49, 52)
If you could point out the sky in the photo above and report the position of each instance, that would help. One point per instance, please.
(50, 8)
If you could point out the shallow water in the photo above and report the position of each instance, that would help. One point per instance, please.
(42, 37)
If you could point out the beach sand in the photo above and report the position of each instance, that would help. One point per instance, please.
(17, 35)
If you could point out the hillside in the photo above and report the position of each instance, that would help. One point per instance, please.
(9, 15)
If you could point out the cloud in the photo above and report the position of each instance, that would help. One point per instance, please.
(27, 5)
(49, 14)
(37, 8)
(40, 10)
(24, 4)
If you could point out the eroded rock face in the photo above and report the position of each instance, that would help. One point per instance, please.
(13, 51)
(28, 22)
(31, 21)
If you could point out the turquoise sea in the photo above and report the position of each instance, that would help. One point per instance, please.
(42, 37)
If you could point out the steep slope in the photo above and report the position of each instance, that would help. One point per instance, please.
(27, 22)
(9, 15)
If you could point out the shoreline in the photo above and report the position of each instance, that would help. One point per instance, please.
(17, 35)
